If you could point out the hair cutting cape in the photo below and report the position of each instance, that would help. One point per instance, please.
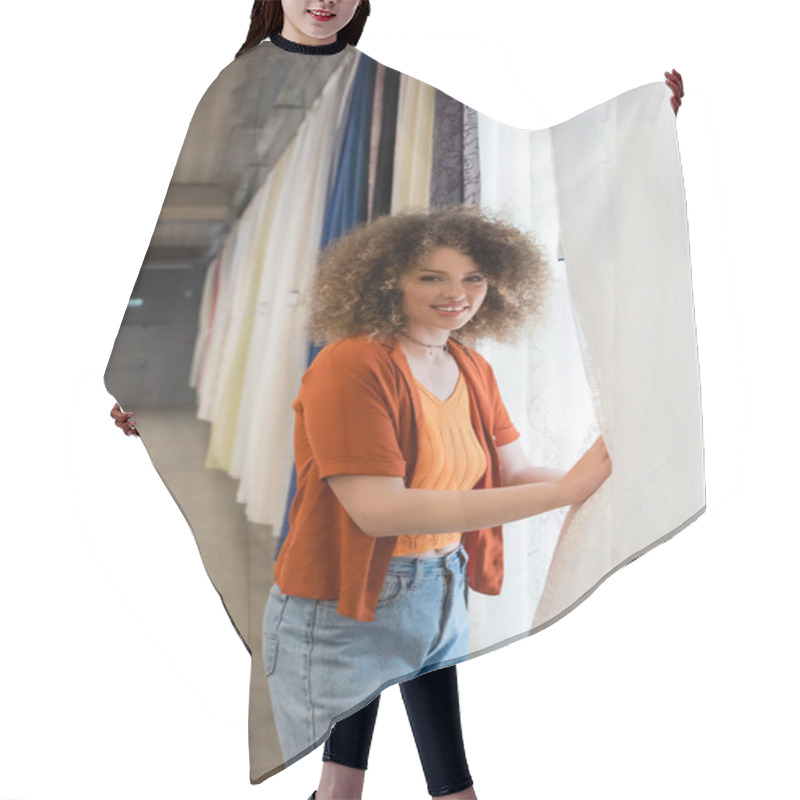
(287, 151)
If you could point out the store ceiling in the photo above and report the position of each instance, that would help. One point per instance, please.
(237, 134)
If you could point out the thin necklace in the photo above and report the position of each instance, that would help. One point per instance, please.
(432, 348)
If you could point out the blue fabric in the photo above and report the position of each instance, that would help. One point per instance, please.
(348, 195)
(348, 203)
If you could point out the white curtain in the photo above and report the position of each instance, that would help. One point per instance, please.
(541, 378)
(623, 220)
(614, 351)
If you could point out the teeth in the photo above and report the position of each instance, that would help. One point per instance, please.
(450, 308)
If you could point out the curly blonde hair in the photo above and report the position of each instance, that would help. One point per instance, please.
(358, 287)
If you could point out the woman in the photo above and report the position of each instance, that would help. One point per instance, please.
(397, 424)
(311, 26)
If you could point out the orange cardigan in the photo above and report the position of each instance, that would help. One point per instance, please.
(356, 414)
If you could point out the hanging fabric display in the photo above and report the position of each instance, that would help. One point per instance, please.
(328, 217)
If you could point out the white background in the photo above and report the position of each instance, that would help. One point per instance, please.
(121, 675)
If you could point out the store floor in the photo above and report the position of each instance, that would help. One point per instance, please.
(237, 554)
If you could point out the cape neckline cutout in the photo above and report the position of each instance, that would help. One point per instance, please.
(308, 49)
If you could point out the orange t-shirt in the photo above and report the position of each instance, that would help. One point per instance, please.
(449, 458)
(356, 414)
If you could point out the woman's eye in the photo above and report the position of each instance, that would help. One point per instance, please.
(468, 279)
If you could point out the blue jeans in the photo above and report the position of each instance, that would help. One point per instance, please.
(322, 666)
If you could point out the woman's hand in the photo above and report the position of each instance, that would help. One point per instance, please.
(588, 474)
(675, 82)
(124, 420)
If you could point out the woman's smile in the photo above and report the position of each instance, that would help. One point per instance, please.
(322, 16)
(451, 310)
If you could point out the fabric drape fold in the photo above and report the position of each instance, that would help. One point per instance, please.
(447, 178)
(263, 452)
(413, 148)
(382, 198)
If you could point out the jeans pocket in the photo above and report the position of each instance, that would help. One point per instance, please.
(395, 588)
(273, 611)
(269, 649)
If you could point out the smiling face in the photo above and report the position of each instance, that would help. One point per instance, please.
(315, 22)
(442, 294)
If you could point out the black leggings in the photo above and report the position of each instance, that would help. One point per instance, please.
(432, 706)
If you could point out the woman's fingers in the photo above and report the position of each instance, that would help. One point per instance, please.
(593, 469)
(602, 460)
(589, 473)
(675, 77)
(599, 451)
(124, 420)
(600, 444)
(674, 81)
